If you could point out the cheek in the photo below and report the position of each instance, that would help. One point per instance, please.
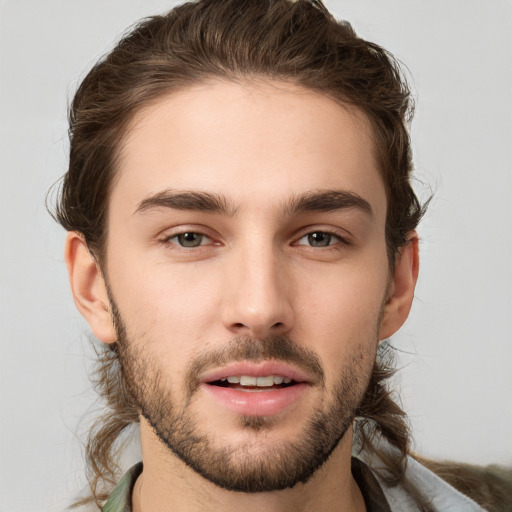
(340, 318)
(168, 306)
(167, 318)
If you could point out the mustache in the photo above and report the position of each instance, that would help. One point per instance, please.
(246, 348)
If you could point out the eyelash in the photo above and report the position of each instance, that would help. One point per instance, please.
(337, 245)
(341, 242)
(168, 239)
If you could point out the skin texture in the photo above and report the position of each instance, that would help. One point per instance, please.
(266, 267)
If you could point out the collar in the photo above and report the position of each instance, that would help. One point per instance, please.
(120, 500)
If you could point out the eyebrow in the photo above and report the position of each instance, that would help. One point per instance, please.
(327, 201)
(319, 201)
(191, 201)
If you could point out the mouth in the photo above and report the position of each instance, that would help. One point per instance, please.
(263, 389)
(250, 383)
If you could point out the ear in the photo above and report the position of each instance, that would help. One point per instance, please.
(401, 288)
(88, 288)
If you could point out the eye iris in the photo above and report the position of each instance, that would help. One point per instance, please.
(319, 239)
(190, 239)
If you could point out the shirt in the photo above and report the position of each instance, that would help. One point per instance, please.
(439, 494)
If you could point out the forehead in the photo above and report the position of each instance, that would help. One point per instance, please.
(267, 140)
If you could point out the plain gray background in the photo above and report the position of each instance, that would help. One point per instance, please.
(456, 348)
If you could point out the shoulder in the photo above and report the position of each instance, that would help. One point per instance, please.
(425, 485)
(489, 486)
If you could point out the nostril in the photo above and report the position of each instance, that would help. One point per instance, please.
(259, 329)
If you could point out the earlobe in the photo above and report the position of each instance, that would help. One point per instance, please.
(88, 288)
(401, 288)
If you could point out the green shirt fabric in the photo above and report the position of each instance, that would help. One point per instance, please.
(121, 498)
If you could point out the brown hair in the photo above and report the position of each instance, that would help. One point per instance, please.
(294, 41)
(298, 42)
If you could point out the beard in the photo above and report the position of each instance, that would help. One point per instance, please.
(260, 466)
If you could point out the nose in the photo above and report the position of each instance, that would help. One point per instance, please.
(258, 295)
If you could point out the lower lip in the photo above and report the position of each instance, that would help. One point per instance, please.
(266, 402)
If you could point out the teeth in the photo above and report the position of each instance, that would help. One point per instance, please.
(248, 381)
(264, 382)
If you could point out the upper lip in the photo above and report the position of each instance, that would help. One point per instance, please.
(252, 369)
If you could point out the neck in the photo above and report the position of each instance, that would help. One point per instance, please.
(166, 483)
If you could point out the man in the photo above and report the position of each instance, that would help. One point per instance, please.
(242, 238)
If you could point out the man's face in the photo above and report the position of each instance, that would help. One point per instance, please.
(247, 269)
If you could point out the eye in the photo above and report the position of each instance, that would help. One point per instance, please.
(189, 240)
(319, 239)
